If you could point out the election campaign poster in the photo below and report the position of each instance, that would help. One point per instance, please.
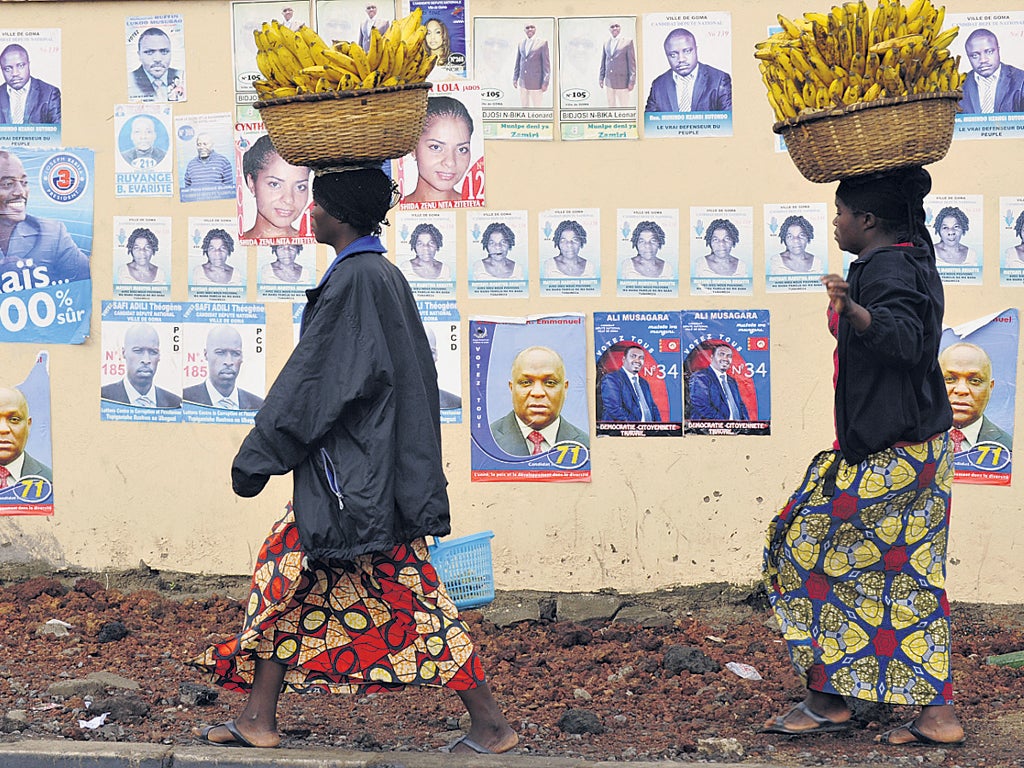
(727, 371)
(639, 374)
(528, 399)
(26, 452)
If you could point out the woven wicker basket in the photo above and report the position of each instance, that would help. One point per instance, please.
(873, 136)
(339, 128)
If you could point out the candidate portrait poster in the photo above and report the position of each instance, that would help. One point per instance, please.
(528, 399)
(1011, 240)
(224, 370)
(352, 19)
(647, 252)
(796, 238)
(425, 250)
(143, 156)
(155, 53)
(721, 250)
(639, 374)
(273, 197)
(140, 365)
(217, 262)
(696, 47)
(26, 454)
(31, 59)
(142, 257)
(569, 244)
(498, 247)
(445, 22)
(444, 334)
(446, 168)
(597, 90)
(956, 224)
(990, 43)
(979, 364)
(45, 274)
(727, 371)
(513, 61)
(246, 17)
(206, 158)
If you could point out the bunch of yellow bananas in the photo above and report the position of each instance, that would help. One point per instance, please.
(294, 62)
(830, 60)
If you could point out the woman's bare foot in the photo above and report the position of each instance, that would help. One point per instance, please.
(492, 739)
(937, 724)
(825, 705)
(223, 734)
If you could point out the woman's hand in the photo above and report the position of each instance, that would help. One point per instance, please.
(839, 299)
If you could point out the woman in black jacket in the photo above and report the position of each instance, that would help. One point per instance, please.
(855, 562)
(344, 598)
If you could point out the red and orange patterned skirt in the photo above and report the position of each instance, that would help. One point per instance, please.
(379, 622)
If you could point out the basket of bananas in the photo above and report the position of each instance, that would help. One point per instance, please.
(338, 105)
(857, 91)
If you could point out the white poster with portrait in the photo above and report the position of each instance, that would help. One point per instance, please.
(274, 197)
(721, 250)
(991, 50)
(30, 61)
(796, 237)
(569, 245)
(155, 54)
(425, 250)
(142, 257)
(647, 252)
(1011, 240)
(143, 157)
(956, 224)
(246, 17)
(285, 272)
(513, 63)
(597, 91)
(444, 331)
(697, 49)
(498, 250)
(224, 370)
(206, 158)
(352, 20)
(216, 261)
(140, 366)
(446, 169)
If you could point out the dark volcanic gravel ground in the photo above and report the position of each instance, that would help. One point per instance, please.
(622, 680)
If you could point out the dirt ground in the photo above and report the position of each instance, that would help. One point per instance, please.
(614, 678)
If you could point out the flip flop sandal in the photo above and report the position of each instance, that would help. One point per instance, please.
(464, 739)
(822, 724)
(921, 739)
(239, 739)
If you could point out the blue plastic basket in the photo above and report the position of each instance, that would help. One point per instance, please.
(465, 568)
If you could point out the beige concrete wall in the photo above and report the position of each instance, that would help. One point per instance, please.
(658, 512)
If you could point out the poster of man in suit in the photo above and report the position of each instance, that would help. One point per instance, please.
(155, 48)
(528, 379)
(597, 85)
(639, 374)
(978, 359)
(992, 56)
(140, 366)
(26, 447)
(511, 56)
(687, 64)
(726, 368)
(30, 81)
(223, 362)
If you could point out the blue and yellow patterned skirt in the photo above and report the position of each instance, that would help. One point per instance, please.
(855, 566)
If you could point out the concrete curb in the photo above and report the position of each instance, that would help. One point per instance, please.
(79, 754)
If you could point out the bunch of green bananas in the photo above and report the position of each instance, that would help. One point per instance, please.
(830, 60)
(295, 62)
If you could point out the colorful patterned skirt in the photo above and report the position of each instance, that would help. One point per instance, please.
(855, 566)
(376, 623)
